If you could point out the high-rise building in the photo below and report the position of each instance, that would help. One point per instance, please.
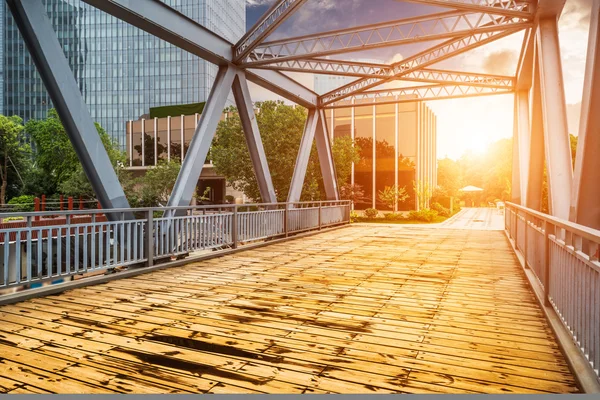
(121, 70)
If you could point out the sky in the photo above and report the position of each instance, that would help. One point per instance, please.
(463, 124)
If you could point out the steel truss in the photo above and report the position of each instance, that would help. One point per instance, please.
(540, 112)
(501, 7)
(366, 70)
(417, 93)
(424, 28)
(433, 55)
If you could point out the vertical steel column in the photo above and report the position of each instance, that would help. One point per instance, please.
(303, 156)
(396, 153)
(169, 138)
(53, 67)
(536, 145)
(515, 192)
(326, 161)
(374, 163)
(191, 167)
(253, 140)
(419, 168)
(352, 135)
(522, 115)
(585, 207)
(143, 142)
(558, 149)
(155, 141)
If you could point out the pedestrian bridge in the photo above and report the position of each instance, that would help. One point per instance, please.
(365, 308)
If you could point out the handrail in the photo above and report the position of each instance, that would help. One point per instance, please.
(80, 242)
(581, 230)
(164, 208)
(562, 258)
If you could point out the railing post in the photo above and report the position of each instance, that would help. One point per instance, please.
(547, 230)
(516, 236)
(234, 227)
(319, 215)
(149, 238)
(525, 243)
(285, 220)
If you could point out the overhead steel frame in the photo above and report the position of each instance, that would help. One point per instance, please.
(539, 107)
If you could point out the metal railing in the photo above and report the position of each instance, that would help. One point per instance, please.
(564, 258)
(48, 246)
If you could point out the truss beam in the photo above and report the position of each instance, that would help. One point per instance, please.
(44, 47)
(585, 207)
(511, 8)
(433, 55)
(158, 19)
(366, 70)
(409, 30)
(273, 18)
(253, 140)
(299, 175)
(535, 179)
(191, 168)
(556, 140)
(325, 153)
(417, 93)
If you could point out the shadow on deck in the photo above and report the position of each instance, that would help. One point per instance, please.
(364, 309)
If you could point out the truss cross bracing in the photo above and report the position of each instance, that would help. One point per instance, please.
(441, 29)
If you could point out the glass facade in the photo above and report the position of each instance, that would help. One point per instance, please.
(406, 130)
(121, 70)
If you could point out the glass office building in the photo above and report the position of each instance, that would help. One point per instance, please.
(397, 145)
(121, 70)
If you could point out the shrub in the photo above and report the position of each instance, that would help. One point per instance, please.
(424, 215)
(25, 203)
(229, 199)
(394, 216)
(443, 211)
(354, 216)
(371, 213)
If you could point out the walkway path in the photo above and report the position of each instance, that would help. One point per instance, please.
(364, 309)
(476, 218)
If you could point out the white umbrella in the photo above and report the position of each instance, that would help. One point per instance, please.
(470, 189)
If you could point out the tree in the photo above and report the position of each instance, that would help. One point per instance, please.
(56, 157)
(12, 153)
(281, 129)
(393, 195)
(154, 188)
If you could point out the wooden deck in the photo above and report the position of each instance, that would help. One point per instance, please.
(364, 309)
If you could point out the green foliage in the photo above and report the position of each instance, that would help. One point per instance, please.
(371, 213)
(394, 217)
(57, 162)
(344, 154)
(441, 210)
(392, 195)
(424, 215)
(352, 192)
(281, 129)
(14, 156)
(354, 217)
(9, 219)
(153, 189)
(25, 202)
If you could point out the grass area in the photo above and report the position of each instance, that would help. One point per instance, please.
(437, 220)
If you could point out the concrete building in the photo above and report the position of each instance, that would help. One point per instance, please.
(149, 141)
(121, 70)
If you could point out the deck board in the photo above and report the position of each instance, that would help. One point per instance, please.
(365, 309)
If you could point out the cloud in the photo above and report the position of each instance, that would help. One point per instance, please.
(258, 3)
(501, 62)
(577, 12)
